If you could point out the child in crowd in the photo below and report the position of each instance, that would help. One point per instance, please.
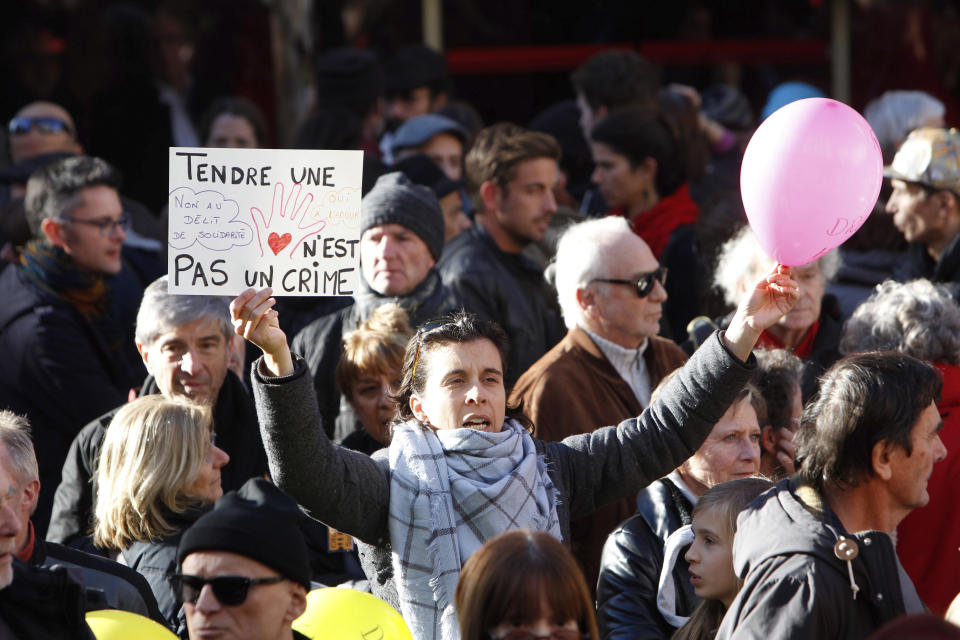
(711, 554)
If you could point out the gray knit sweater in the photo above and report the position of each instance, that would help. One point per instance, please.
(350, 491)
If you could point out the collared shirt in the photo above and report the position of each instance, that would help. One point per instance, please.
(675, 477)
(629, 363)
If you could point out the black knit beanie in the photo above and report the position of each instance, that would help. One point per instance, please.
(349, 78)
(396, 200)
(260, 522)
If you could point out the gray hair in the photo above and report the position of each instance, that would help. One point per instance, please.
(896, 113)
(918, 318)
(741, 262)
(777, 375)
(161, 311)
(52, 190)
(582, 254)
(15, 435)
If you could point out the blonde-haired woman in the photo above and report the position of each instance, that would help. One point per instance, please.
(159, 471)
(369, 373)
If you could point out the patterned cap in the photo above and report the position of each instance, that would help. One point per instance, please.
(929, 156)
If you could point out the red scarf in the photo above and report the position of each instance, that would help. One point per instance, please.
(657, 223)
(803, 349)
(27, 552)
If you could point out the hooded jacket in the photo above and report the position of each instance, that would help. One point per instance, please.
(795, 586)
(121, 587)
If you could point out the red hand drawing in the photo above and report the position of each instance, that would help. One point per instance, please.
(289, 210)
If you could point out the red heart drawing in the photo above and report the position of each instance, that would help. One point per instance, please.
(278, 242)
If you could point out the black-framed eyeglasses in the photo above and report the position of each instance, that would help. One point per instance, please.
(230, 591)
(557, 633)
(429, 327)
(644, 283)
(107, 227)
(23, 124)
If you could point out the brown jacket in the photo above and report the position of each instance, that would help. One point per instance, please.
(574, 389)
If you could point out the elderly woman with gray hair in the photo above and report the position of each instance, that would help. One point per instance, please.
(921, 319)
(810, 330)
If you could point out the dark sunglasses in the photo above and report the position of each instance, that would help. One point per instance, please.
(555, 634)
(644, 283)
(230, 591)
(21, 125)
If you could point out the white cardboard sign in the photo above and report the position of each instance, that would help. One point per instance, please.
(287, 219)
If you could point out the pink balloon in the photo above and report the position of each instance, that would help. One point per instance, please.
(810, 177)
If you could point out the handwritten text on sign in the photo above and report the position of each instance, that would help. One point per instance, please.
(285, 219)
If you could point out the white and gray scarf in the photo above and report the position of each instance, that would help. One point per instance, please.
(451, 491)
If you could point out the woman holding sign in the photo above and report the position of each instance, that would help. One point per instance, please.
(462, 467)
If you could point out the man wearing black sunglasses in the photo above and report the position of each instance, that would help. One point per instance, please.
(40, 128)
(244, 568)
(610, 290)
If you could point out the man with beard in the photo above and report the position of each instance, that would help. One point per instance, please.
(512, 174)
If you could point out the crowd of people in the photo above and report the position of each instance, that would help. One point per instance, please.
(560, 405)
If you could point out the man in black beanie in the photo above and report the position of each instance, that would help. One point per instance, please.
(244, 567)
(350, 83)
(417, 82)
(401, 239)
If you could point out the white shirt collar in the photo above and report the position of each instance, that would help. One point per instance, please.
(675, 477)
(629, 363)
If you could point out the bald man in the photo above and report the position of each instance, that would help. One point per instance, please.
(40, 128)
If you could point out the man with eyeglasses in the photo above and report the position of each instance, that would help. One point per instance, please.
(184, 342)
(66, 331)
(610, 290)
(42, 133)
(116, 586)
(244, 569)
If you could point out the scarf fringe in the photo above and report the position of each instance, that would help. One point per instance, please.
(429, 475)
(438, 508)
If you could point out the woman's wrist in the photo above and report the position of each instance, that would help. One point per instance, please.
(279, 364)
(740, 337)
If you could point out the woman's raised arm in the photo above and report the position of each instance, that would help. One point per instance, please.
(255, 319)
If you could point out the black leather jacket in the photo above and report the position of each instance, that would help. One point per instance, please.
(508, 289)
(631, 564)
(44, 603)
